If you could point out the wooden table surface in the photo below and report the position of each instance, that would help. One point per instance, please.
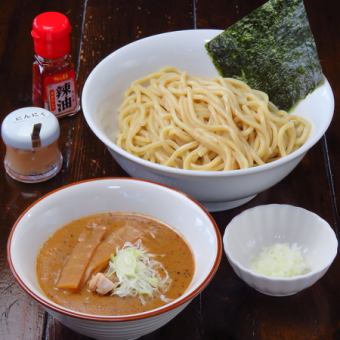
(228, 308)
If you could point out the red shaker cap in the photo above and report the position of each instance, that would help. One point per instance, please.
(51, 35)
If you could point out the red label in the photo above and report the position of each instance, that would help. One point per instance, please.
(60, 96)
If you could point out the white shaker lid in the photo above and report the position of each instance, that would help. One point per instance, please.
(17, 127)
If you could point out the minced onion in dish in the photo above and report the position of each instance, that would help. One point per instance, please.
(280, 260)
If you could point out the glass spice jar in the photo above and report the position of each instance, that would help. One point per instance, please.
(54, 79)
(31, 138)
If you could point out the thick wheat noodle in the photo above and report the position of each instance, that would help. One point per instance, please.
(194, 123)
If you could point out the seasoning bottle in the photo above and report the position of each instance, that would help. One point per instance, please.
(54, 78)
(31, 138)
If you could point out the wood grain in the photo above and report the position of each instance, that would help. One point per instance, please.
(326, 30)
(21, 317)
(228, 308)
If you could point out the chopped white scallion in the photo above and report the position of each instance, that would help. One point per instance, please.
(137, 273)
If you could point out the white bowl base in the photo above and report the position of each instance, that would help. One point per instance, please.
(277, 295)
(227, 205)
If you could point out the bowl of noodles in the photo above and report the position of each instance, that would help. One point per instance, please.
(166, 115)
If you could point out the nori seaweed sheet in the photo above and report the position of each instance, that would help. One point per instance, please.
(273, 50)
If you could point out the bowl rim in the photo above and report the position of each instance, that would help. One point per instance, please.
(311, 141)
(310, 274)
(122, 318)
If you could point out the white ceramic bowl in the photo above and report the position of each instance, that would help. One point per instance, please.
(103, 93)
(52, 211)
(265, 225)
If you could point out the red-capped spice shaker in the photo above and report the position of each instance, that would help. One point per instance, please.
(54, 77)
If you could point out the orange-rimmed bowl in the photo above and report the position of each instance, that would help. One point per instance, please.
(38, 222)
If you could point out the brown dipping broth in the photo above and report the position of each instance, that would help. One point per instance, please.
(159, 239)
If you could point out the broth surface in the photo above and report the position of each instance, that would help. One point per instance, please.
(168, 247)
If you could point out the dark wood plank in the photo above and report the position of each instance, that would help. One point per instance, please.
(232, 309)
(21, 317)
(326, 29)
(228, 308)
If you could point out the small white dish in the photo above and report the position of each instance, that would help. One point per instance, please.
(262, 226)
(38, 222)
(217, 190)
